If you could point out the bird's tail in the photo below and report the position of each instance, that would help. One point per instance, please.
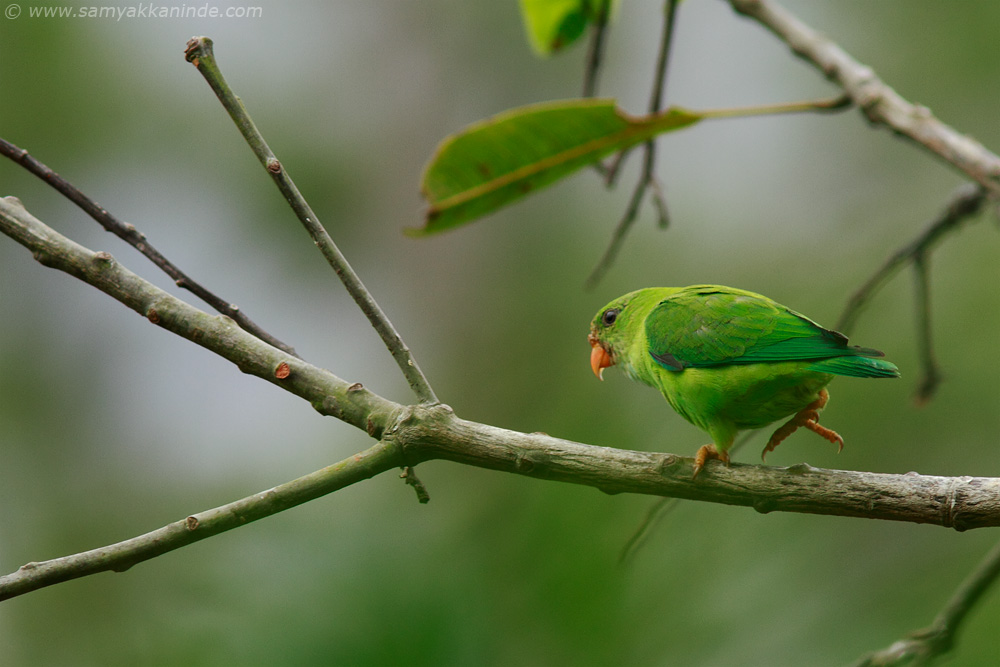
(857, 366)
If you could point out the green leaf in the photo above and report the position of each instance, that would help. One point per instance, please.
(553, 24)
(499, 160)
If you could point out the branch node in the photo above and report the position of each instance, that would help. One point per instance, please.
(667, 462)
(329, 406)
(103, 259)
(197, 47)
(763, 505)
(409, 475)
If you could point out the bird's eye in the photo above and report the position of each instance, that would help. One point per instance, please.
(609, 317)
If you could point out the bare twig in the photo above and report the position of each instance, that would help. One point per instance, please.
(123, 555)
(966, 202)
(595, 55)
(617, 236)
(931, 372)
(595, 49)
(922, 646)
(881, 104)
(328, 394)
(409, 475)
(199, 53)
(137, 240)
(647, 178)
(659, 509)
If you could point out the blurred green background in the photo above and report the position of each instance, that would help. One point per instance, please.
(110, 427)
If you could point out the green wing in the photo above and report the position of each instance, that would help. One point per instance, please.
(706, 326)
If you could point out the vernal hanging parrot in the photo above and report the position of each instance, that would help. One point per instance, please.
(728, 360)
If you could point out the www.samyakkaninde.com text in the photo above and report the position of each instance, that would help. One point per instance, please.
(148, 10)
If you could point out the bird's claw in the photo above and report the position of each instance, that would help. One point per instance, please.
(824, 432)
(809, 418)
(704, 454)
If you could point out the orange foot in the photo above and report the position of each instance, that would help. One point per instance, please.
(809, 418)
(706, 452)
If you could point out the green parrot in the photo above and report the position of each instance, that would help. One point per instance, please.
(728, 360)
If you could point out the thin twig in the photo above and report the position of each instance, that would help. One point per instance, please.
(931, 372)
(647, 177)
(881, 104)
(595, 49)
(966, 201)
(617, 237)
(663, 56)
(199, 53)
(409, 475)
(327, 393)
(922, 646)
(595, 55)
(614, 168)
(128, 233)
(123, 555)
(659, 509)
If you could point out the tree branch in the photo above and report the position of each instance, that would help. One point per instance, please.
(327, 393)
(137, 240)
(123, 555)
(414, 434)
(881, 104)
(199, 53)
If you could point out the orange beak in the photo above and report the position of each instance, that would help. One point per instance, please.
(599, 359)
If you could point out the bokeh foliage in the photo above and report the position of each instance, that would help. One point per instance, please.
(112, 427)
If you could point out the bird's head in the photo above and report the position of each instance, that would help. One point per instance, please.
(618, 331)
(607, 335)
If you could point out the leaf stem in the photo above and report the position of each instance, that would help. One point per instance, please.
(838, 103)
(199, 52)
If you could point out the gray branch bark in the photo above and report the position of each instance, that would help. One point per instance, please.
(879, 102)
